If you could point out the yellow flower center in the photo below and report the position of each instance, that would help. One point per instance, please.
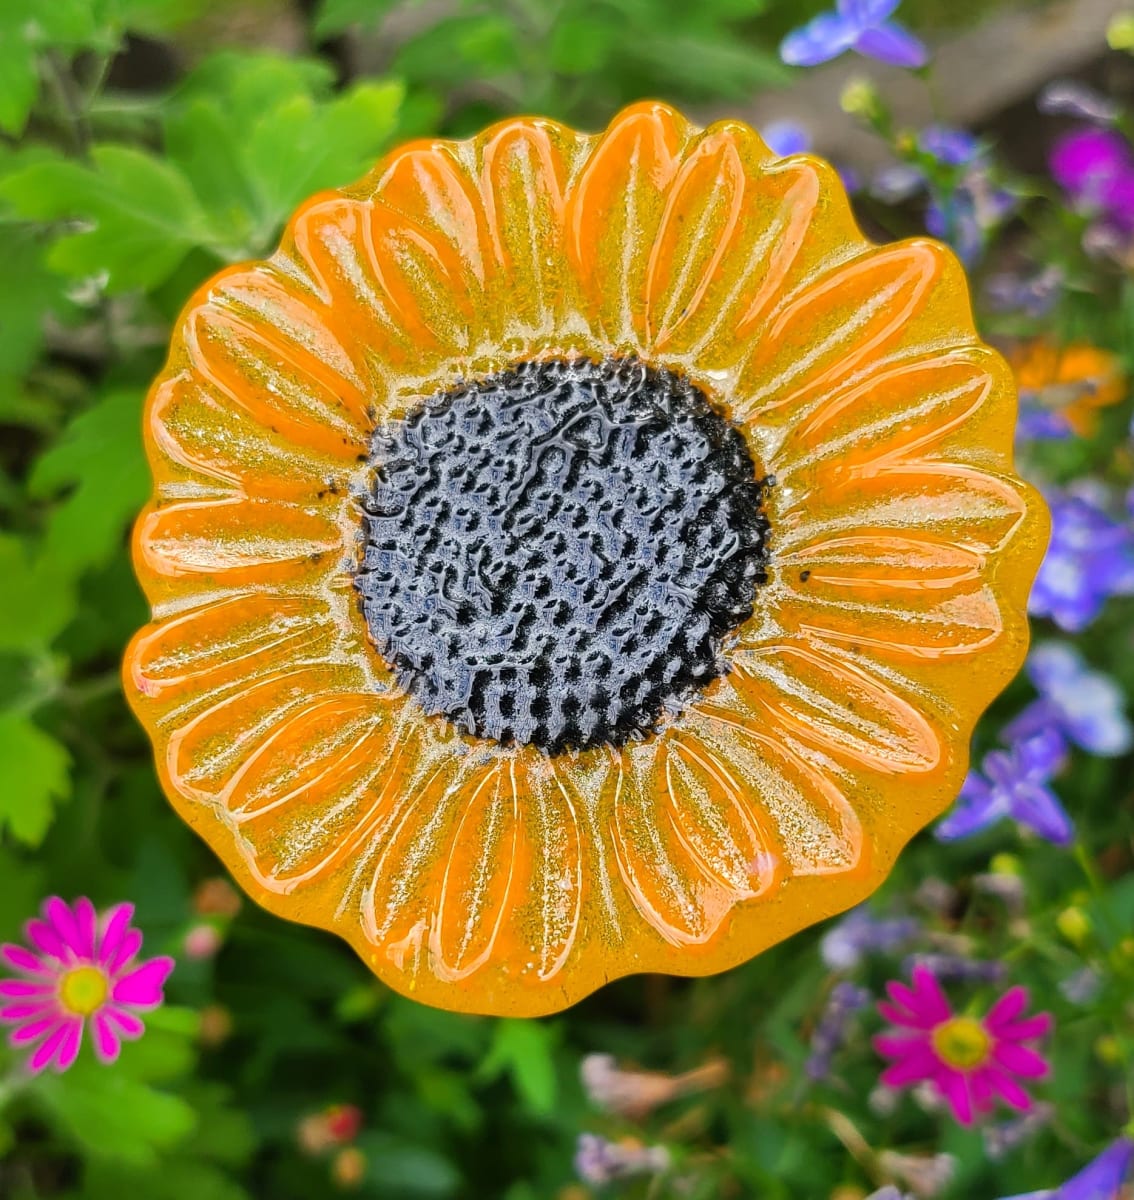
(83, 990)
(962, 1043)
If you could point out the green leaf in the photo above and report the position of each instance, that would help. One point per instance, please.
(34, 777)
(37, 600)
(333, 16)
(23, 309)
(142, 214)
(720, 66)
(524, 1051)
(19, 82)
(460, 48)
(397, 1169)
(100, 459)
(115, 1117)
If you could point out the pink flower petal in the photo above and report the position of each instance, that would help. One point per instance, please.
(23, 960)
(69, 1048)
(1006, 1009)
(128, 947)
(61, 918)
(899, 1045)
(34, 1030)
(1019, 1060)
(52, 1045)
(954, 1090)
(1026, 1031)
(932, 1001)
(912, 1068)
(983, 1093)
(26, 1011)
(16, 988)
(1009, 1089)
(116, 922)
(86, 922)
(131, 1026)
(898, 1016)
(142, 987)
(106, 1041)
(44, 938)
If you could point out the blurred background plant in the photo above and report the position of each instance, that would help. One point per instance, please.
(145, 143)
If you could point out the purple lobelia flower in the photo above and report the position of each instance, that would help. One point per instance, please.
(786, 138)
(1013, 783)
(600, 1161)
(1090, 558)
(1084, 706)
(1095, 167)
(845, 1000)
(1101, 1179)
(949, 145)
(860, 25)
(860, 934)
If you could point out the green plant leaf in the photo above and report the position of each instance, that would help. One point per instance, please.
(400, 1170)
(37, 600)
(34, 777)
(99, 458)
(143, 217)
(333, 16)
(524, 1051)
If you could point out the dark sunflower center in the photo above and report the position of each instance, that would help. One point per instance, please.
(553, 554)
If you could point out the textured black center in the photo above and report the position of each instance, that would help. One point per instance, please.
(553, 554)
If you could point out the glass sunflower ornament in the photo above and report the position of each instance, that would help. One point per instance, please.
(574, 556)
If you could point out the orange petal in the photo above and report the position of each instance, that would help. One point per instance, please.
(835, 705)
(199, 429)
(815, 827)
(614, 212)
(237, 541)
(233, 639)
(906, 409)
(488, 870)
(733, 223)
(391, 287)
(843, 322)
(524, 177)
(684, 871)
(262, 348)
(308, 795)
(953, 505)
(204, 752)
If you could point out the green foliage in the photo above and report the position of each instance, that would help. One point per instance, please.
(34, 776)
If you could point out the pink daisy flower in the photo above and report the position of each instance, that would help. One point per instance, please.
(968, 1061)
(86, 970)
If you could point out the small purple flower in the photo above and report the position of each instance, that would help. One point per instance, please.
(951, 146)
(860, 25)
(1084, 706)
(1101, 1179)
(1035, 424)
(845, 1000)
(958, 968)
(599, 1160)
(1096, 169)
(859, 934)
(1001, 1139)
(1090, 558)
(1013, 783)
(786, 138)
(1033, 295)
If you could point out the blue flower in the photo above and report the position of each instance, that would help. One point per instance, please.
(861, 25)
(859, 934)
(1101, 1179)
(1091, 558)
(948, 145)
(1084, 706)
(1035, 424)
(785, 138)
(1013, 783)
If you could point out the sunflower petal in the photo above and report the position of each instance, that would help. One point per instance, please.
(843, 322)
(732, 226)
(524, 180)
(614, 212)
(236, 541)
(837, 706)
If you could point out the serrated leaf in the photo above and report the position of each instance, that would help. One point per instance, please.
(142, 215)
(524, 1051)
(100, 460)
(37, 599)
(34, 777)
